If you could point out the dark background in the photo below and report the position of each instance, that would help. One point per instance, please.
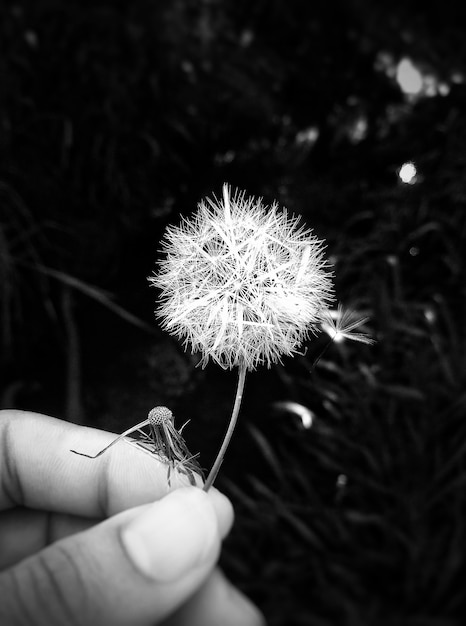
(117, 117)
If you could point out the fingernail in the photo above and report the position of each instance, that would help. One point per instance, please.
(173, 535)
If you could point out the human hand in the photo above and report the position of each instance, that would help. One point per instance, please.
(146, 563)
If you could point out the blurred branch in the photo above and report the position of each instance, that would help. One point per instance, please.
(74, 410)
(95, 293)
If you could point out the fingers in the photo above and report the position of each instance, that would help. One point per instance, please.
(135, 568)
(89, 575)
(24, 532)
(37, 469)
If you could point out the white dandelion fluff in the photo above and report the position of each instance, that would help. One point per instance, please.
(241, 283)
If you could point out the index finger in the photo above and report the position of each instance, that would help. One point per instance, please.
(38, 470)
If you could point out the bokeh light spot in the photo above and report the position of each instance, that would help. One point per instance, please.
(409, 78)
(407, 173)
(304, 415)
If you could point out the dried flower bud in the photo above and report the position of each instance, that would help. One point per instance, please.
(164, 442)
(242, 283)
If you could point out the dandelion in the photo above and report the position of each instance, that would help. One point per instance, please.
(164, 441)
(243, 285)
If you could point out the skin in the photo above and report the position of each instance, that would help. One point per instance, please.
(103, 541)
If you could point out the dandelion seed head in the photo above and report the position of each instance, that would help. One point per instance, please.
(242, 283)
(159, 415)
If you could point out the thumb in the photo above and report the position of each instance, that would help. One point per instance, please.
(135, 568)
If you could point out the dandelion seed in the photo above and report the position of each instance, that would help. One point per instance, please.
(163, 441)
(342, 323)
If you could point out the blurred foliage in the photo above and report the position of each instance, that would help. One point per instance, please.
(115, 117)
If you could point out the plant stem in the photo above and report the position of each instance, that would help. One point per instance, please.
(231, 427)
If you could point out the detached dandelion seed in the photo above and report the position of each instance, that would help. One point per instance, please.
(341, 324)
(243, 285)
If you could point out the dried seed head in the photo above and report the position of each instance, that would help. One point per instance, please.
(242, 283)
(159, 415)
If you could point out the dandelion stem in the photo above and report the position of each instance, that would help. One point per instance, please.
(231, 427)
